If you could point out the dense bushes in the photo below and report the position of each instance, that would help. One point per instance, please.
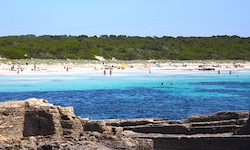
(125, 47)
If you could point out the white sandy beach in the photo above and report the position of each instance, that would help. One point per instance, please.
(61, 68)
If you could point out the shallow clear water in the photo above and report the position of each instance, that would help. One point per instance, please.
(135, 94)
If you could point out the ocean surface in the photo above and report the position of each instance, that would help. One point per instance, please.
(160, 94)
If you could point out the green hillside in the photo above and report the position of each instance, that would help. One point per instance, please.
(125, 47)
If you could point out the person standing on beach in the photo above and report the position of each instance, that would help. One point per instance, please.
(34, 66)
(12, 68)
(110, 71)
(104, 72)
(18, 68)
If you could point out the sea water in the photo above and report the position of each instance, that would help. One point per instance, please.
(159, 94)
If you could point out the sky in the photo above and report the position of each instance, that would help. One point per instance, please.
(125, 17)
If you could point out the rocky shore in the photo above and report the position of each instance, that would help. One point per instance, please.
(37, 124)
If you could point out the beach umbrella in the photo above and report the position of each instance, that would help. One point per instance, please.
(123, 65)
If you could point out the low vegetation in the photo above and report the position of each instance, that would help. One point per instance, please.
(125, 47)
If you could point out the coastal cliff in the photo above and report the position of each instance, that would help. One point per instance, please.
(37, 124)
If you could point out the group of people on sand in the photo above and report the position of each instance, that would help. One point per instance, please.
(67, 68)
(12, 68)
(110, 71)
(19, 68)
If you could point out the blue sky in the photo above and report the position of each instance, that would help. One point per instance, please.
(125, 17)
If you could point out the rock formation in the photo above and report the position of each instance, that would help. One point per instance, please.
(37, 124)
(245, 129)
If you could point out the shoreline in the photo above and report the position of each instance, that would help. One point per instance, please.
(30, 68)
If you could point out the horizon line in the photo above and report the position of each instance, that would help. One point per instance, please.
(124, 35)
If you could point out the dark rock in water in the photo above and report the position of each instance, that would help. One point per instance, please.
(36, 124)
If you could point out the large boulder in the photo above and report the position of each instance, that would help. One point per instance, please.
(34, 117)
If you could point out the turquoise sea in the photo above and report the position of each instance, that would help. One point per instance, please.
(160, 94)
